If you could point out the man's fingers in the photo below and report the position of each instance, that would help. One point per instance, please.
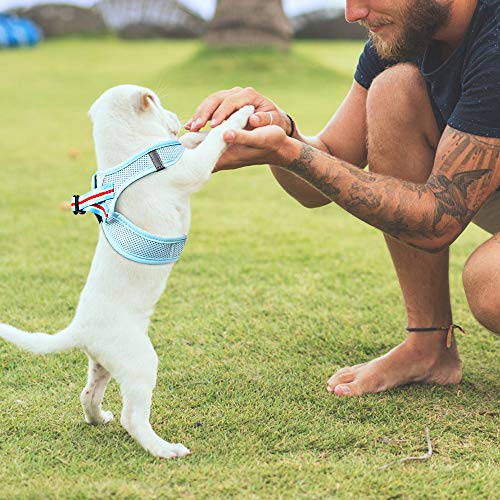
(206, 109)
(264, 118)
(231, 104)
(221, 105)
(242, 137)
(204, 112)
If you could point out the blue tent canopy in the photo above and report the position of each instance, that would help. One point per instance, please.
(16, 31)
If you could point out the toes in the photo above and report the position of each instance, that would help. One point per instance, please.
(342, 376)
(103, 418)
(360, 383)
(347, 369)
(181, 450)
(168, 450)
(167, 454)
(351, 389)
(107, 416)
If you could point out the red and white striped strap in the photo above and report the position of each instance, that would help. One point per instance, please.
(94, 201)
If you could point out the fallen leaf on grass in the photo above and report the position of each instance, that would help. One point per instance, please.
(74, 154)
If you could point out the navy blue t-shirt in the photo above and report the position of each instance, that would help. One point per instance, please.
(465, 88)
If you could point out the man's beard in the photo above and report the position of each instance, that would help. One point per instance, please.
(422, 20)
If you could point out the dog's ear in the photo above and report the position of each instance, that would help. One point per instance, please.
(144, 100)
(91, 111)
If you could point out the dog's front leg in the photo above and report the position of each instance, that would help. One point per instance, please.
(192, 140)
(198, 164)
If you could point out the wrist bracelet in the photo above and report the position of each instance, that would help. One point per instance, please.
(292, 123)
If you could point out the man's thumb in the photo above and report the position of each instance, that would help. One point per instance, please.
(243, 137)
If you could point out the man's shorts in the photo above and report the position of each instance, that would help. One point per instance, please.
(488, 216)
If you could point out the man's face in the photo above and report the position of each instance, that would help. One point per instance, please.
(399, 29)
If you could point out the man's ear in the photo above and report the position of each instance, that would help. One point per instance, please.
(144, 101)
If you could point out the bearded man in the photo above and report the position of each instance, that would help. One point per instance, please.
(424, 113)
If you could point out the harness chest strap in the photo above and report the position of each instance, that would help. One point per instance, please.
(124, 237)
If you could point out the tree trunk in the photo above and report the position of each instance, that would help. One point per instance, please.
(243, 23)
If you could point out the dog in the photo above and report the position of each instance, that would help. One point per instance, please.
(112, 318)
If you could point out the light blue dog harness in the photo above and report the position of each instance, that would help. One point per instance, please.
(126, 238)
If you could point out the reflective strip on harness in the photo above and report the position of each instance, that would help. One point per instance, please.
(126, 238)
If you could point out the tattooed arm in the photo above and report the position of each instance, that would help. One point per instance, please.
(344, 136)
(428, 216)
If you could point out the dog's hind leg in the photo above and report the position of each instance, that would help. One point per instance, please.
(91, 397)
(137, 384)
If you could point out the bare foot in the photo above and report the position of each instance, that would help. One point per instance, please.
(420, 358)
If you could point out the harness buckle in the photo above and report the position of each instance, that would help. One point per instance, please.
(76, 203)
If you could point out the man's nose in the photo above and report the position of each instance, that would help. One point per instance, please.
(356, 10)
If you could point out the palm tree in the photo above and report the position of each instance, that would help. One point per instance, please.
(241, 23)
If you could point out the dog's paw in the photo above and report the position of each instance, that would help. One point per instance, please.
(240, 118)
(169, 450)
(192, 140)
(103, 418)
(107, 416)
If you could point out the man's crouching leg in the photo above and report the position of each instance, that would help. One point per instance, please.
(481, 278)
(402, 140)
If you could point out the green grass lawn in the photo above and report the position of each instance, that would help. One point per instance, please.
(268, 300)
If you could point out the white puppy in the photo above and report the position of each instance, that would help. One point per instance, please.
(112, 317)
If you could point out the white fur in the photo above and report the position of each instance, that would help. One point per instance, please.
(112, 317)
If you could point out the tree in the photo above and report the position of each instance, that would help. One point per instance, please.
(242, 23)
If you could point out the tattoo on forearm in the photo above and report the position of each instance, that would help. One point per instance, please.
(453, 192)
(467, 167)
(302, 167)
(451, 196)
(420, 189)
(363, 196)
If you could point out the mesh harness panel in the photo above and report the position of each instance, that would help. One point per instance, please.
(127, 239)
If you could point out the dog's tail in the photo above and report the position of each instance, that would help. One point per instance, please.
(39, 343)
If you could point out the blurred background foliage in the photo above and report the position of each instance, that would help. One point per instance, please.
(227, 23)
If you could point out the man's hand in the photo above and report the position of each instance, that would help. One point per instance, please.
(254, 147)
(219, 106)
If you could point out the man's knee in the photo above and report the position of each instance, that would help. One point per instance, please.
(402, 130)
(481, 279)
(397, 91)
